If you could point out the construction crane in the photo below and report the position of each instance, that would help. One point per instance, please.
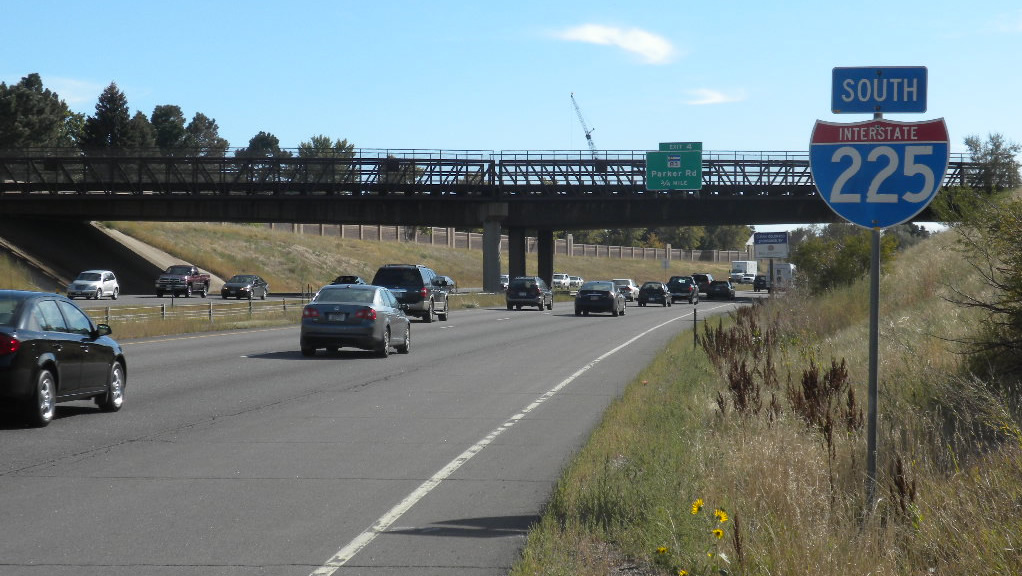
(589, 133)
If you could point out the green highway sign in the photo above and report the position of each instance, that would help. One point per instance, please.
(675, 170)
(681, 146)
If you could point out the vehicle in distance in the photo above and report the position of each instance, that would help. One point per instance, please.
(575, 282)
(703, 281)
(353, 315)
(245, 286)
(599, 296)
(760, 283)
(560, 282)
(683, 288)
(742, 268)
(654, 292)
(528, 291)
(721, 289)
(415, 288)
(447, 283)
(349, 279)
(94, 284)
(748, 278)
(629, 289)
(52, 352)
(182, 279)
(504, 280)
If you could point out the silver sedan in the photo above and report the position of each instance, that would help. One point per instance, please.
(360, 316)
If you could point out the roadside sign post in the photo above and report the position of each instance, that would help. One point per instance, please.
(877, 174)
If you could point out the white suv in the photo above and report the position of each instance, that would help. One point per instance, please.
(561, 282)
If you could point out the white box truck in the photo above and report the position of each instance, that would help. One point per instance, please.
(740, 269)
(784, 276)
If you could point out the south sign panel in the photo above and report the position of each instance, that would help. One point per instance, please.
(878, 173)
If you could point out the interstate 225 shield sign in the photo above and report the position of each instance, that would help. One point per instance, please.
(878, 173)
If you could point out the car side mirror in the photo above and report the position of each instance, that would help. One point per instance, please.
(103, 330)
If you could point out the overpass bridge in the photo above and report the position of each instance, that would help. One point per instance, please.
(517, 191)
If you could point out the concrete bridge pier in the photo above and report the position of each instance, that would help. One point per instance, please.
(491, 256)
(516, 252)
(545, 255)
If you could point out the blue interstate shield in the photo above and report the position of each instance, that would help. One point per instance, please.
(878, 173)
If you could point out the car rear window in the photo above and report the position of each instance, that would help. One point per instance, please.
(397, 277)
(595, 285)
(346, 294)
(523, 283)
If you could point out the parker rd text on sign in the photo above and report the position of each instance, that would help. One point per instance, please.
(878, 173)
(878, 90)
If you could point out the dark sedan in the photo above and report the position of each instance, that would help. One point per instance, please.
(360, 316)
(721, 289)
(51, 352)
(245, 286)
(654, 292)
(759, 283)
(599, 296)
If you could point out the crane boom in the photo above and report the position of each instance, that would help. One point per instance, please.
(589, 133)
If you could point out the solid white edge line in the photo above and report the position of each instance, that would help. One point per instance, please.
(384, 522)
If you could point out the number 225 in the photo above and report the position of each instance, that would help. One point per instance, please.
(873, 194)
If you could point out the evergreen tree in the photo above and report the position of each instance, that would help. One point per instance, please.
(169, 124)
(202, 137)
(34, 117)
(107, 130)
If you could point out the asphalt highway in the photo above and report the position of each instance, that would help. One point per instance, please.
(236, 456)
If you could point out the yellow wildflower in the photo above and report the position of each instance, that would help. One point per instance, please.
(661, 550)
(697, 506)
(718, 533)
(682, 572)
(720, 515)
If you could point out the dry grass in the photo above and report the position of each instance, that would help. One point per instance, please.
(293, 262)
(950, 448)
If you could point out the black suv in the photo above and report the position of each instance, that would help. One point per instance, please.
(683, 288)
(528, 291)
(703, 281)
(416, 289)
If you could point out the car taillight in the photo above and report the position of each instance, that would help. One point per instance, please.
(424, 293)
(366, 314)
(9, 345)
(310, 312)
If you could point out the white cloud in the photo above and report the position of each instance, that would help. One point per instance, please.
(77, 93)
(706, 96)
(651, 48)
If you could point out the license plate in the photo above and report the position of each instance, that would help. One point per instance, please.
(523, 294)
(594, 296)
(336, 316)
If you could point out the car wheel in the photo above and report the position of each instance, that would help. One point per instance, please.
(518, 306)
(624, 309)
(188, 291)
(250, 295)
(615, 312)
(117, 292)
(509, 307)
(585, 312)
(578, 312)
(159, 294)
(265, 293)
(44, 402)
(308, 351)
(99, 293)
(384, 349)
(428, 316)
(114, 397)
(203, 291)
(406, 346)
(550, 304)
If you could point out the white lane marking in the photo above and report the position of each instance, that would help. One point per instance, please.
(384, 522)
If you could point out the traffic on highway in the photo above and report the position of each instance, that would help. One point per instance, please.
(236, 452)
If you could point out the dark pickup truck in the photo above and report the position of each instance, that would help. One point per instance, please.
(182, 280)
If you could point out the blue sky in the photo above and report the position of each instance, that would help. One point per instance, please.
(498, 75)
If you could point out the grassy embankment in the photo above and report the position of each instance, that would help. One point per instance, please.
(747, 455)
(299, 262)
